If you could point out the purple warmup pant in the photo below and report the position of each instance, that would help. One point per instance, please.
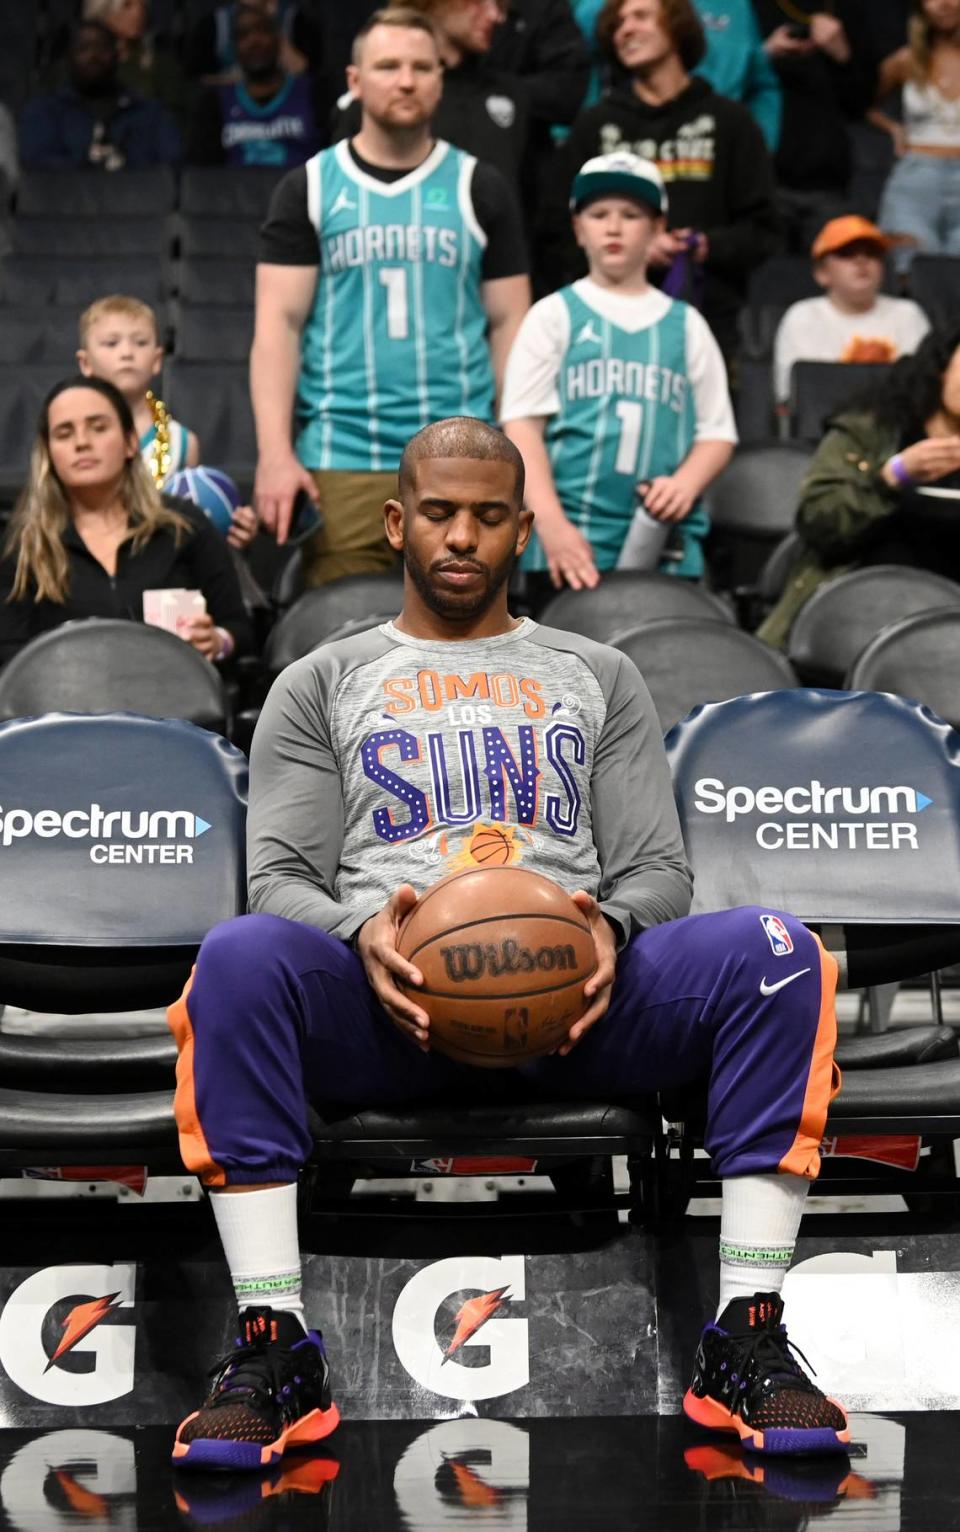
(278, 1014)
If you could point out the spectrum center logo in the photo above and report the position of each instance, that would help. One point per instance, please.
(857, 818)
(158, 835)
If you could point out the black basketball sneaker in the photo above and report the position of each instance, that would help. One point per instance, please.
(746, 1379)
(271, 1392)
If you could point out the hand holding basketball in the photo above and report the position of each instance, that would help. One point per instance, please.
(377, 948)
(599, 985)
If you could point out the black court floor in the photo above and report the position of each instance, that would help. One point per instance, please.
(902, 1475)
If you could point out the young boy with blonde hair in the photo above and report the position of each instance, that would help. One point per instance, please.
(120, 341)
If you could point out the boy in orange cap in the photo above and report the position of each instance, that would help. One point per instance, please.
(853, 321)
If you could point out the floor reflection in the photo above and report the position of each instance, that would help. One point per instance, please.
(507, 1476)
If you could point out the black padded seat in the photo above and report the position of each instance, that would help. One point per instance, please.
(88, 1064)
(91, 238)
(687, 661)
(919, 658)
(625, 597)
(64, 194)
(112, 931)
(752, 506)
(218, 394)
(70, 1128)
(214, 191)
(896, 1050)
(318, 613)
(35, 280)
(819, 390)
(935, 285)
(515, 1127)
(923, 1099)
(104, 664)
(844, 615)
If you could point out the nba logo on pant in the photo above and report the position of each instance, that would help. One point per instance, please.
(777, 935)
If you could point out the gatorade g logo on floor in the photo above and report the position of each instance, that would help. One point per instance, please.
(64, 1480)
(64, 1338)
(453, 1331)
(159, 835)
(857, 818)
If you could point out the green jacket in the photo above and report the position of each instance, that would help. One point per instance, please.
(842, 500)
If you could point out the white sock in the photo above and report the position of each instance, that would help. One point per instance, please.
(759, 1221)
(258, 1231)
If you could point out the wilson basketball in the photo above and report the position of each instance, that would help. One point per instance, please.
(504, 955)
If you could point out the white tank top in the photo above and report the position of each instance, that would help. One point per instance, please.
(932, 121)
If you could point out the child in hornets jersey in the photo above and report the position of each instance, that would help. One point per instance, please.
(615, 394)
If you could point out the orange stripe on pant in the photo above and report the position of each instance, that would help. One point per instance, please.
(823, 1081)
(194, 1149)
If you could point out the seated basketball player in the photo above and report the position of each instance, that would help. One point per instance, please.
(369, 777)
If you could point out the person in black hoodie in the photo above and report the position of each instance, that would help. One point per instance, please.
(827, 78)
(91, 532)
(722, 217)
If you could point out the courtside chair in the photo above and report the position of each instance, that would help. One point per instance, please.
(122, 844)
(875, 871)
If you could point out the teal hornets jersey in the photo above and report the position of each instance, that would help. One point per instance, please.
(397, 335)
(626, 414)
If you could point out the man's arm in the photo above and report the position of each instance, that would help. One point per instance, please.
(296, 818)
(284, 299)
(645, 878)
(505, 300)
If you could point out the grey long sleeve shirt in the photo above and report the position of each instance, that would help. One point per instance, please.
(383, 759)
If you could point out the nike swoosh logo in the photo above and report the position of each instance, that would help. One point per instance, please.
(771, 989)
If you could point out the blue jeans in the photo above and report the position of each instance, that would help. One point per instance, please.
(922, 198)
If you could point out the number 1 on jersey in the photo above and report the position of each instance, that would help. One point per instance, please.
(630, 416)
(394, 279)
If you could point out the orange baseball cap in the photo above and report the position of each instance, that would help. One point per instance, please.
(846, 231)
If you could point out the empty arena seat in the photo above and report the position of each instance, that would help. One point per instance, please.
(217, 283)
(216, 396)
(686, 661)
(123, 844)
(843, 808)
(869, 830)
(918, 658)
(36, 280)
(318, 613)
(208, 334)
(23, 389)
(819, 390)
(626, 597)
(68, 194)
(834, 627)
(208, 191)
(754, 405)
(46, 335)
(102, 665)
(234, 239)
(935, 285)
(752, 506)
(97, 237)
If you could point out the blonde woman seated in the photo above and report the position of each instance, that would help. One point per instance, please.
(91, 532)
